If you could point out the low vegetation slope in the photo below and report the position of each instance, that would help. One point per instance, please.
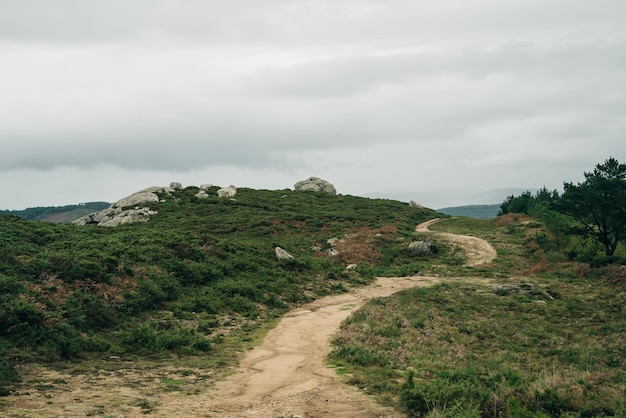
(58, 214)
(542, 337)
(197, 271)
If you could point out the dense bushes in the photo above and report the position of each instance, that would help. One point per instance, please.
(594, 210)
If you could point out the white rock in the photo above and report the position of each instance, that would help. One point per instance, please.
(315, 184)
(282, 254)
(229, 191)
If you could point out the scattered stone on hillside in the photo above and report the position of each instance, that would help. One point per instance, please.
(316, 248)
(176, 185)
(315, 184)
(205, 186)
(126, 210)
(351, 266)
(332, 252)
(416, 205)
(229, 191)
(420, 248)
(202, 194)
(282, 254)
(334, 241)
(521, 288)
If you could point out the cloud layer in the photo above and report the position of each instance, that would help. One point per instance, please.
(387, 98)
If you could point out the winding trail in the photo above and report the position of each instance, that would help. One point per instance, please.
(286, 375)
(477, 250)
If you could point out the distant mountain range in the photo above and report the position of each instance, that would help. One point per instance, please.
(58, 214)
(473, 211)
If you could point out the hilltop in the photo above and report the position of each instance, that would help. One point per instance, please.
(201, 268)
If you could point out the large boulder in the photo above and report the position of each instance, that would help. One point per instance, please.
(420, 248)
(202, 194)
(315, 184)
(129, 216)
(282, 254)
(126, 210)
(148, 195)
(229, 191)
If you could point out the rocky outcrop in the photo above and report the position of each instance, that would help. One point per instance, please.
(129, 216)
(282, 254)
(420, 248)
(127, 210)
(315, 184)
(229, 191)
(148, 195)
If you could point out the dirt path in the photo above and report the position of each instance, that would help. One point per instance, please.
(477, 250)
(284, 376)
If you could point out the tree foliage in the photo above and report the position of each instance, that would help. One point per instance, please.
(594, 209)
(528, 203)
(599, 203)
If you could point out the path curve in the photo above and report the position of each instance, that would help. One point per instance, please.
(477, 250)
(286, 375)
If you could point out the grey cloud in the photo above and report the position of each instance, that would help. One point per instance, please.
(95, 21)
(302, 22)
(344, 86)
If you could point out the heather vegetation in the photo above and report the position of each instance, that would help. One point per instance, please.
(538, 332)
(467, 348)
(554, 347)
(198, 274)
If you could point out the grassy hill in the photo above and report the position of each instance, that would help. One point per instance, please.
(200, 281)
(200, 270)
(58, 214)
(472, 348)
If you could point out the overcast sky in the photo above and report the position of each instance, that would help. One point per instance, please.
(432, 101)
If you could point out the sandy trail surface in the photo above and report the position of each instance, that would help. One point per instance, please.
(477, 250)
(285, 376)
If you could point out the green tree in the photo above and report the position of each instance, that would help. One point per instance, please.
(599, 203)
